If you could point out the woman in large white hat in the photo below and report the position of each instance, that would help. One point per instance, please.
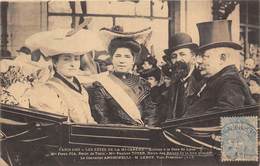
(63, 94)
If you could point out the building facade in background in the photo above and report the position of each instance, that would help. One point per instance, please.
(22, 19)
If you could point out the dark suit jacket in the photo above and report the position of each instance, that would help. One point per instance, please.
(181, 93)
(224, 91)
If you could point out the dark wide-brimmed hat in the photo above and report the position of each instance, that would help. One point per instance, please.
(181, 40)
(216, 34)
(145, 55)
(25, 50)
(153, 72)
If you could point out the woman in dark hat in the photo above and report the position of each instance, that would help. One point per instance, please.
(153, 76)
(121, 97)
(145, 61)
(158, 90)
(124, 52)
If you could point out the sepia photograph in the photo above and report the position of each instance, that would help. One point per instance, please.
(129, 82)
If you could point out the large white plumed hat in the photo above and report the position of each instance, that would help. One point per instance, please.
(141, 36)
(60, 41)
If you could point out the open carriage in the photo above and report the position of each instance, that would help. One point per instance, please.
(30, 137)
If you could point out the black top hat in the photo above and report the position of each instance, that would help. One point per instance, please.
(181, 40)
(124, 42)
(216, 34)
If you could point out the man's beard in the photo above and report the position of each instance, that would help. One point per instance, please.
(180, 71)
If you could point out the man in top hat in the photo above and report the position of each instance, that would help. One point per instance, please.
(120, 97)
(224, 89)
(63, 93)
(185, 78)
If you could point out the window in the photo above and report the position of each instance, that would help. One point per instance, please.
(249, 29)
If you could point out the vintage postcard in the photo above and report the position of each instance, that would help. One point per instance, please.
(129, 82)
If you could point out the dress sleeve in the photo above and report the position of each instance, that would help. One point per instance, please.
(44, 99)
(149, 112)
(87, 112)
(98, 103)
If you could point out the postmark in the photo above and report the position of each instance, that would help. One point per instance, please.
(239, 139)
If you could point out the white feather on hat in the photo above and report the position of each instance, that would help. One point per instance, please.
(63, 41)
(27, 66)
(33, 41)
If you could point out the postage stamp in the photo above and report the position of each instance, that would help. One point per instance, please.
(239, 138)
